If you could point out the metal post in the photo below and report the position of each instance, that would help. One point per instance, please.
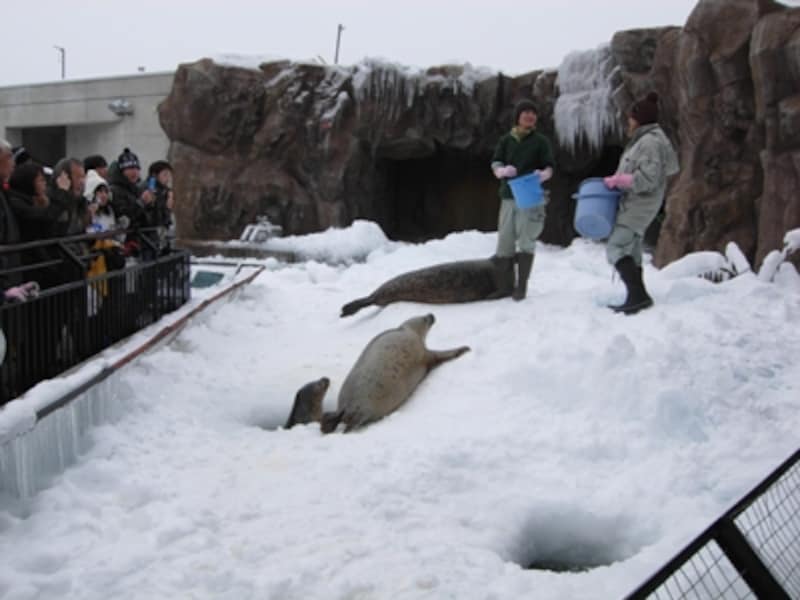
(63, 52)
(339, 30)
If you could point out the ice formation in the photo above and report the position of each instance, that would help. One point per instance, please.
(584, 111)
(30, 459)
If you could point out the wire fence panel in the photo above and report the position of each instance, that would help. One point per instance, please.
(707, 574)
(751, 552)
(771, 525)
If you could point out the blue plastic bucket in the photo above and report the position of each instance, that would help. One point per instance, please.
(527, 190)
(596, 209)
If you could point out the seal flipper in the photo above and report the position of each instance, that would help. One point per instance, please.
(330, 421)
(356, 305)
(437, 357)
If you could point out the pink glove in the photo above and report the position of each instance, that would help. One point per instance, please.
(621, 181)
(22, 292)
(544, 174)
(505, 172)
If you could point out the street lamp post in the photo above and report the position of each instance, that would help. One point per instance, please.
(339, 30)
(63, 52)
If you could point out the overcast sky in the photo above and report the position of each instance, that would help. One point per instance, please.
(111, 37)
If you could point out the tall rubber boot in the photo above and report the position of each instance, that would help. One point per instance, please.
(503, 276)
(524, 266)
(637, 297)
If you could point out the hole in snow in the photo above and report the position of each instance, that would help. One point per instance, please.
(570, 540)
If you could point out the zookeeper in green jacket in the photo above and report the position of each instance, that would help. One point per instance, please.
(521, 151)
(645, 164)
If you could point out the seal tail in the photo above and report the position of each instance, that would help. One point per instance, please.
(330, 421)
(356, 305)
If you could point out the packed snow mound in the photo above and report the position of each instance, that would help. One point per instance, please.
(791, 241)
(710, 265)
(774, 260)
(335, 245)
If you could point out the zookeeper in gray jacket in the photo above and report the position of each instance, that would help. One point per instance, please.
(646, 162)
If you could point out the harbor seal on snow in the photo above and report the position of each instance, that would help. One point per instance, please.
(307, 407)
(460, 281)
(386, 373)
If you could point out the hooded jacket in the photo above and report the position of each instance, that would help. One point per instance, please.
(651, 159)
(104, 217)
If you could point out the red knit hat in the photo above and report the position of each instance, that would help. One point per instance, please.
(645, 111)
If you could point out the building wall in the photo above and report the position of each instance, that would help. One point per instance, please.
(82, 107)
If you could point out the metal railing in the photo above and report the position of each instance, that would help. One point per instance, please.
(77, 315)
(751, 552)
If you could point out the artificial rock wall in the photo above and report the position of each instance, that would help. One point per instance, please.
(315, 146)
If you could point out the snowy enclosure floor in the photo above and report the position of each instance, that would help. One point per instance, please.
(569, 436)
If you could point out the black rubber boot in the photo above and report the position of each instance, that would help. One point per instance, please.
(503, 276)
(638, 298)
(524, 266)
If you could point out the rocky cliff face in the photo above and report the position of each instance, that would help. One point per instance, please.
(733, 186)
(313, 146)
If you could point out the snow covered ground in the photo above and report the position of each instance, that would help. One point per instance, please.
(568, 436)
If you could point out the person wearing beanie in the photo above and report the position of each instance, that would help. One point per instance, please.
(647, 161)
(521, 151)
(123, 178)
(128, 160)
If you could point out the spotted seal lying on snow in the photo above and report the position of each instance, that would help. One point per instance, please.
(460, 281)
(307, 407)
(386, 373)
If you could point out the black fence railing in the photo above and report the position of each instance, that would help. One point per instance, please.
(84, 309)
(751, 552)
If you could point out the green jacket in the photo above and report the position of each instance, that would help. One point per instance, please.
(527, 154)
(650, 157)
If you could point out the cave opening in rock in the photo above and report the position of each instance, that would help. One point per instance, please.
(607, 162)
(427, 198)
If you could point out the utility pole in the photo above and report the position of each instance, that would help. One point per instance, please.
(339, 31)
(63, 52)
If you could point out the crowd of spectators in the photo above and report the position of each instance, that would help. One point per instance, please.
(74, 198)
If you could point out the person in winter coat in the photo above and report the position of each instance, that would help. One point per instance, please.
(66, 192)
(521, 151)
(97, 194)
(646, 163)
(27, 196)
(127, 199)
(37, 218)
(9, 228)
(159, 182)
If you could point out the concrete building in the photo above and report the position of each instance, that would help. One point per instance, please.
(91, 116)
